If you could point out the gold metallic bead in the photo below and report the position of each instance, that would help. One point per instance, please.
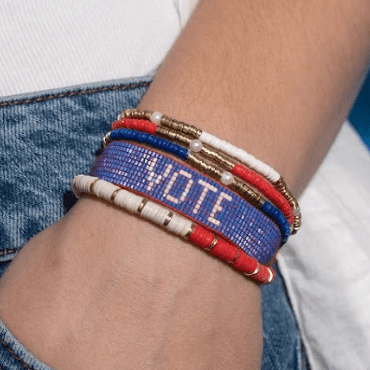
(215, 172)
(172, 135)
(142, 205)
(91, 189)
(146, 114)
(163, 131)
(168, 219)
(126, 113)
(186, 129)
(255, 272)
(194, 160)
(190, 130)
(183, 139)
(190, 231)
(213, 244)
(133, 113)
(271, 275)
(217, 157)
(297, 224)
(165, 121)
(113, 196)
(280, 184)
(238, 186)
(248, 193)
(235, 258)
(178, 126)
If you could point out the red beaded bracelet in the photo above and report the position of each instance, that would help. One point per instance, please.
(175, 223)
(252, 178)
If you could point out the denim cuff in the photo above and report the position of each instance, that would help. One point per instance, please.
(14, 356)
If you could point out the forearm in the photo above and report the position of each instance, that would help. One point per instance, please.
(275, 79)
(102, 289)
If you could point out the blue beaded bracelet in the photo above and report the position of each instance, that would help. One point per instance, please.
(192, 194)
(183, 153)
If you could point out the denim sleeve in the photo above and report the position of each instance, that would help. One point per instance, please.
(47, 139)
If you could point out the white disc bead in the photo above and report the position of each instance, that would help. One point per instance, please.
(179, 225)
(131, 202)
(154, 213)
(227, 178)
(156, 117)
(104, 190)
(240, 155)
(196, 146)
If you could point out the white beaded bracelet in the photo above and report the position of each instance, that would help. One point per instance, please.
(241, 155)
(213, 141)
(133, 203)
(181, 226)
(234, 152)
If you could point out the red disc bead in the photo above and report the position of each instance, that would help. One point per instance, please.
(266, 189)
(136, 124)
(224, 250)
(227, 252)
(201, 237)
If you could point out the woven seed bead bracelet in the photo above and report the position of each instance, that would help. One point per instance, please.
(188, 192)
(174, 223)
(196, 146)
(265, 206)
(273, 176)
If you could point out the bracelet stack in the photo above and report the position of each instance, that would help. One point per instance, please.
(203, 189)
(245, 158)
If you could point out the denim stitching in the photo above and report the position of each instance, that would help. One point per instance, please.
(74, 93)
(22, 363)
(8, 251)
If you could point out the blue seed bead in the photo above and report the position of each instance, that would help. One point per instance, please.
(143, 137)
(279, 218)
(131, 167)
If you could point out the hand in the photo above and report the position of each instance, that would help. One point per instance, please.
(102, 289)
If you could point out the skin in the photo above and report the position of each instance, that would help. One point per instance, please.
(275, 78)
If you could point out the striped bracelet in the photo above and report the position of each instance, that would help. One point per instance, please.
(174, 223)
(264, 205)
(244, 157)
(196, 146)
(186, 191)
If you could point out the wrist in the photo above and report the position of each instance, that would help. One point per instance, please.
(147, 286)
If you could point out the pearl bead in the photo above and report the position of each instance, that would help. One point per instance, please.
(119, 117)
(227, 178)
(195, 146)
(156, 117)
